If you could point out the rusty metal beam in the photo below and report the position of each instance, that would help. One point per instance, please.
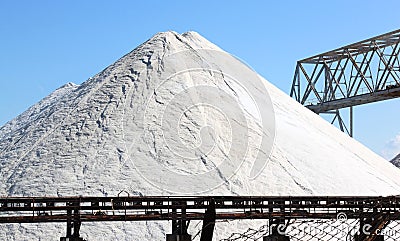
(80, 209)
(181, 210)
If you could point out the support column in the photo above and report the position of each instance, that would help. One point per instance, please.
(179, 237)
(77, 221)
(73, 223)
(351, 121)
(179, 228)
(208, 222)
(275, 231)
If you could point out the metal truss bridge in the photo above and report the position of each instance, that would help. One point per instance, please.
(360, 73)
(281, 213)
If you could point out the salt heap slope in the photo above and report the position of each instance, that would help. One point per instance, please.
(139, 126)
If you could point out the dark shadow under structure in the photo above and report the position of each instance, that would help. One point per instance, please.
(360, 73)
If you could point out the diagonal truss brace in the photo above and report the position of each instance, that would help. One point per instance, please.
(364, 72)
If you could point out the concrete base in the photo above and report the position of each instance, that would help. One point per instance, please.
(276, 238)
(182, 237)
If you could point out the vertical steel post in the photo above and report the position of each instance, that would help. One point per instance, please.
(351, 121)
(208, 222)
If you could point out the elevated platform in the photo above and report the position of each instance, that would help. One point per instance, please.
(355, 100)
(96, 209)
(375, 211)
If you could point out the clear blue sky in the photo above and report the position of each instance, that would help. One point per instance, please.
(45, 44)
